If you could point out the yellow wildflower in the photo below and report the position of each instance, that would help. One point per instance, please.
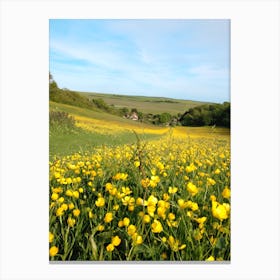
(126, 221)
(110, 247)
(220, 211)
(100, 228)
(59, 211)
(53, 251)
(108, 217)
(51, 237)
(146, 219)
(76, 194)
(69, 193)
(100, 202)
(157, 226)
(192, 189)
(54, 196)
(145, 182)
(226, 192)
(172, 190)
(211, 258)
(131, 230)
(71, 222)
(71, 206)
(116, 241)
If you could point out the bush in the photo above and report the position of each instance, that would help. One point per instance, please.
(61, 120)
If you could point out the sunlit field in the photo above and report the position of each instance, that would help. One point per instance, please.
(163, 198)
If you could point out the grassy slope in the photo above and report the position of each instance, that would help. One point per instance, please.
(103, 128)
(146, 104)
(63, 143)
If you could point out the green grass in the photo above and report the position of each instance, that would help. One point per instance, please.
(154, 105)
(63, 143)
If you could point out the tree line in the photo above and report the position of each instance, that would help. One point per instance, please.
(203, 115)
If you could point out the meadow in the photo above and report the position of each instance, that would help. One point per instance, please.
(127, 191)
(145, 104)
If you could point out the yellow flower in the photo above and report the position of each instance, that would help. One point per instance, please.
(165, 197)
(53, 251)
(146, 219)
(71, 206)
(90, 214)
(81, 190)
(192, 189)
(100, 228)
(172, 190)
(217, 171)
(126, 221)
(211, 258)
(213, 197)
(120, 176)
(59, 212)
(137, 163)
(110, 247)
(137, 239)
(116, 241)
(61, 199)
(161, 212)
(175, 244)
(182, 204)
(68, 180)
(108, 186)
(220, 211)
(54, 196)
(160, 166)
(64, 206)
(108, 217)
(164, 239)
(51, 237)
(154, 181)
(76, 194)
(71, 222)
(190, 168)
(152, 200)
(157, 226)
(100, 202)
(116, 207)
(171, 216)
(131, 230)
(211, 181)
(76, 212)
(120, 224)
(69, 193)
(226, 192)
(194, 206)
(140, 201)
(145, 182)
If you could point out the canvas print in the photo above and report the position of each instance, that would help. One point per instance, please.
(139, 140)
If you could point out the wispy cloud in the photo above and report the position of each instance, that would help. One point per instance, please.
(180, 59)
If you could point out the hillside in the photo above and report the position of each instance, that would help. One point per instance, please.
(145, 104)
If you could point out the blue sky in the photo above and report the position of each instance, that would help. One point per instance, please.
(185, 59)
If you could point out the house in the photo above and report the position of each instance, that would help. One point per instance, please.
(134, 116)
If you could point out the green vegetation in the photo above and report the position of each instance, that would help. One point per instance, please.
(214, 114)
(79, 140)
(144, 104)
(150, 110)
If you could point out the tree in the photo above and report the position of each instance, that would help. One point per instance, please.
(164, 118)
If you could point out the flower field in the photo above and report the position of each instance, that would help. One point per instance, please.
(165, 199)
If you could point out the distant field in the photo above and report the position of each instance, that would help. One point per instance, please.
(97, 128)
(146, 104)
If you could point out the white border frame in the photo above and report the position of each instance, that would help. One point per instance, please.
(255, 137)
